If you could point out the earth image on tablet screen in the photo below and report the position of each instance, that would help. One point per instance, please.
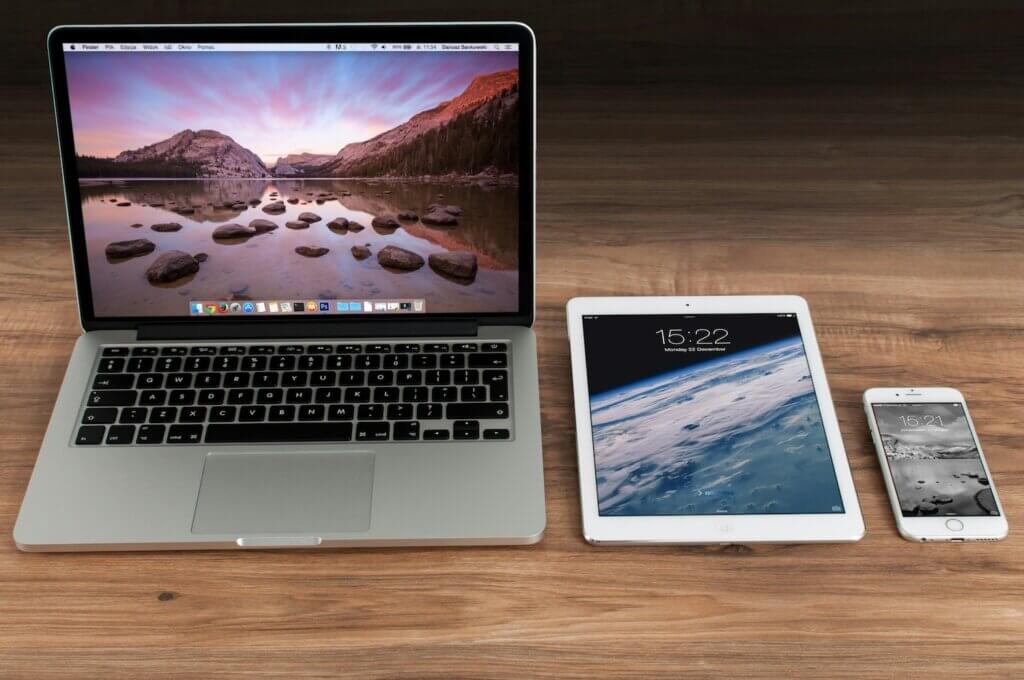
(736, 434)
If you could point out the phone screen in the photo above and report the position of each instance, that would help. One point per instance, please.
(934, 460)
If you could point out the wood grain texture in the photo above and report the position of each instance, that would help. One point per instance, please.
(869, 160)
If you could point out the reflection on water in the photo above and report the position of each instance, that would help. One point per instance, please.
(266, 266)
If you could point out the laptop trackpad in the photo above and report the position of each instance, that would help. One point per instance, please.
(245, 494)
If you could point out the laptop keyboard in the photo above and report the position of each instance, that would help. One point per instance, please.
(360, 392)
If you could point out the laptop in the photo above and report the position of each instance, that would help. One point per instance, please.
(304, 258)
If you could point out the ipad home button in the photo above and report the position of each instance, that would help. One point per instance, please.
(954, 525)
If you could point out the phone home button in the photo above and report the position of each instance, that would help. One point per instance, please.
(954, 525)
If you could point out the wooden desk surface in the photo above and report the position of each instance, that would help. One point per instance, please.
(890, 195)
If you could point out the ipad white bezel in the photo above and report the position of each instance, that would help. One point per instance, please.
(723, 529)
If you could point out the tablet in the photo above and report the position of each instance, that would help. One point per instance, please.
(706, 420)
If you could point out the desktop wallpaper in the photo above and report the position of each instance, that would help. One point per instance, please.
(277, 175)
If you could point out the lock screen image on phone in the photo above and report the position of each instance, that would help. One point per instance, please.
(934, 460)
(706, 414)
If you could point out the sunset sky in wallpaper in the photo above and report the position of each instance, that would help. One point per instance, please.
(273, 103)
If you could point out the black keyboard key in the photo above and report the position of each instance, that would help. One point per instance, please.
(226, 363)
(424, 361)
(211, 397)
(113, 382)
(488, 360)
(272, 395)
(349, 349)
(174, 351)
(407, 347)
(197, 364)
(378, 348)
(163, 414)
(99, 416)
(299, 395)
(193, 414)
(140, 364)
(133, 415)
(89, 434)
(367, 362)
(242, 396)
(311, 412)
(282, 363)
(265, 379)
(168, 365)
(151, 434)
(322, 379)
(115, 351)
(447, 393)
(437, 377)
(477, 411)
(233, 350)
(112, 398)
(494, 347)
(327, 395)
(407, 431)
(152, 398)
(187, 434)
(293, 379)
(357, 395)
(373, 432)
(311, 362)
(474, 393)
(251, 414)
(349, 378)
(452, 360)
(396, 361)
(120, 434)
(208, 380)
(254, 363)
(278, 432)
(205, 351)
(261, 349)
(435, 347)
(415, 394)
(380, 378)
(466, 429)
(464, 347)
(499, 392)
(320, 349)
(466, 376)
(429, 411)
(339, 362)
(282, 413)
(223, 414)
(236, 380)
(399, 411)
(370, 412)
(290, 349)
(150, 381)
(496, 434)
(179, 381)
(384, 395)
(408, 377)
(110, 366)
(145, 351)
(340, 412)
(435, 435)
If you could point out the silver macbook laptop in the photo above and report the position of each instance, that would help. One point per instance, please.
(304, 259)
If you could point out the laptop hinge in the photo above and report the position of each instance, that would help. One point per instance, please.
(319, 329)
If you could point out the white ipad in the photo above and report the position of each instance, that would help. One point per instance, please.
(706, 420)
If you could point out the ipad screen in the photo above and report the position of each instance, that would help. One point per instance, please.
(706, 414)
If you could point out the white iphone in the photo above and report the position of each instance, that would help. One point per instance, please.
(934, 470)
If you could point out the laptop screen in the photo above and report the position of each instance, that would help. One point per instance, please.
(230, 180)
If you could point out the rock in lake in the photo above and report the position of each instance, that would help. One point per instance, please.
(201, 257)
(440, 218)
(338, 224)
(450, 209)
(185, 210)
(293, 201)
(123, 204)
(309, 217)
(460, 265)
(355, 226)
(166, 226)
(408, 215)
(136, 225)
(385, 222)
(296, 224)
(360, 252)
(232, 230)
(254, 201)
(262, 226)
(171, 266)
(399, 258)
(133, 248)
(312, 251)
(274, 208)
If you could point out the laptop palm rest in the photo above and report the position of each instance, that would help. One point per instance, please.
(301, 493)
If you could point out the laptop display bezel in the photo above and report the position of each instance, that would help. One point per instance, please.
(282, 33)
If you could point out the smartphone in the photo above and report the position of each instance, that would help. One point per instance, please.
(938, 481)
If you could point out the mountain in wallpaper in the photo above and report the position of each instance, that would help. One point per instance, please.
(475, 132)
